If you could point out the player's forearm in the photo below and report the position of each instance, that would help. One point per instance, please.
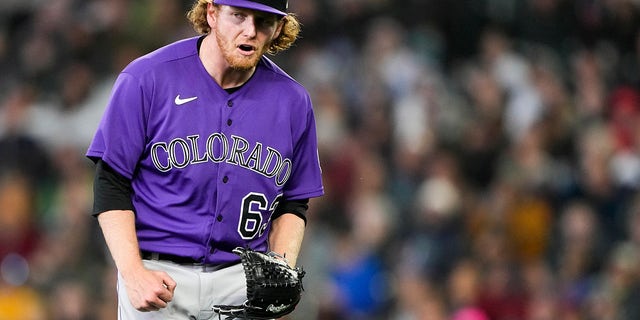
(118, 228)
(285, 238)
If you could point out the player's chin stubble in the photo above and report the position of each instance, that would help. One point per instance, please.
(235, 60)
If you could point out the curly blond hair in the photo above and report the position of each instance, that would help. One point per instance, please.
(289, 34)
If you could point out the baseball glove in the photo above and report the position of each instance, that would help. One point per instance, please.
(273, 287)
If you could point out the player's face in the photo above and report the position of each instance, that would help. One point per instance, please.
(243, 35)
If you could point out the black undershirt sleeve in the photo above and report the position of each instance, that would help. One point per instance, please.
(298, 207)
(111, 190)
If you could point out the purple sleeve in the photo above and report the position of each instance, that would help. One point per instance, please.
(120, 137)
(306, 178)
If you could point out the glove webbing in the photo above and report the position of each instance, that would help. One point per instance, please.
(269, 275)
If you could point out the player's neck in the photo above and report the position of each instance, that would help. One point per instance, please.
(219, 69)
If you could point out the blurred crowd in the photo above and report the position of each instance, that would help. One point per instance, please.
(481, 158)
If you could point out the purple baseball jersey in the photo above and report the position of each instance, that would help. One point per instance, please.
(207, 167)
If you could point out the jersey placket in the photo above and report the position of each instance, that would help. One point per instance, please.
(224, 189)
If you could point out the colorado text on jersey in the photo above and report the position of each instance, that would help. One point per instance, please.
(180, 153)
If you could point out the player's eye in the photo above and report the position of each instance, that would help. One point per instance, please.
(239, 16)
(265, 21)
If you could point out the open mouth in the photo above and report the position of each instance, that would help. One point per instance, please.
(246, 48)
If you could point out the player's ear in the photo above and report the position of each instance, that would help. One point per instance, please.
(278, 28)
(211, 14)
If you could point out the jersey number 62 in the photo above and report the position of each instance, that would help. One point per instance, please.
(252, 222)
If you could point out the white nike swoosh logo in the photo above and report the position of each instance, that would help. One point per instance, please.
(179, 101)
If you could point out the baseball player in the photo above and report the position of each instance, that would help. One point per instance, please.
(205, 146)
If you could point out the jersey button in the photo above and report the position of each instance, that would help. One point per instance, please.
(225, 179)
(219, 218)
(229, 122)
(229, 103)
